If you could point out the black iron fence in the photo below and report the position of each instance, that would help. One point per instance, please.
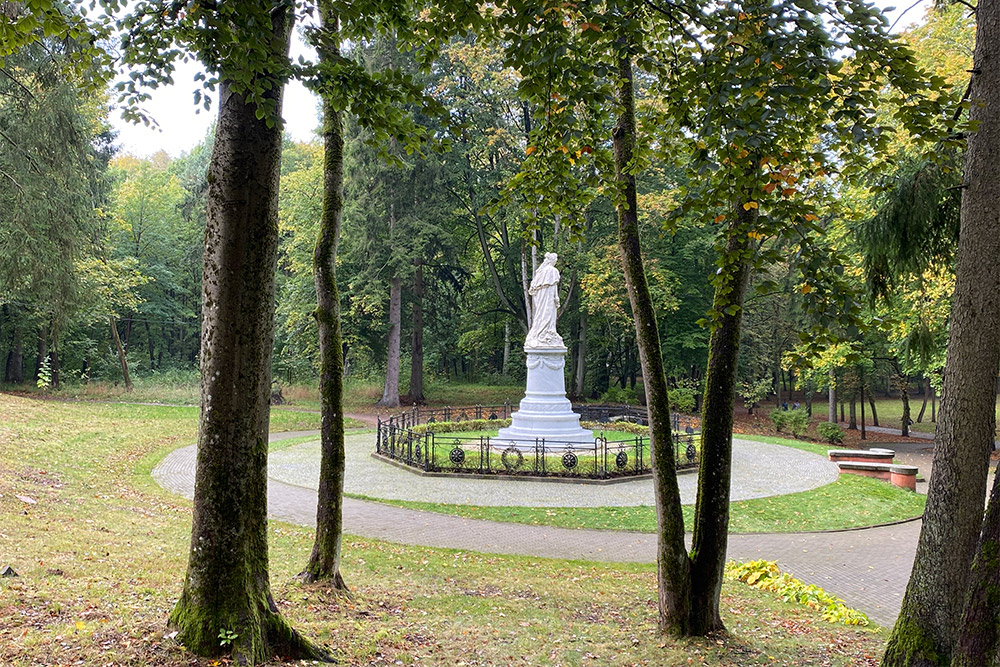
(589, 412)
(610, 455)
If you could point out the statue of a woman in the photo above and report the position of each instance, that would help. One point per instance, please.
(544, 293)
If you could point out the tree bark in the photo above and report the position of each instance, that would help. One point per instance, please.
(852, 414)
(324, 562)
(931, 615)
(416, 392)
(711, 522)
(390, 395)
(121, 353)
(672, 562)
(923, 406)
(227, 588)
(506, 348)
(871, 404)
(979, 638)
(832, 398)
(904, 396)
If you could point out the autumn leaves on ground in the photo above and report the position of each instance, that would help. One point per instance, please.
(100, 553)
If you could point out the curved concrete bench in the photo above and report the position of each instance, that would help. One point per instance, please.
(898, 475)
(862, 455)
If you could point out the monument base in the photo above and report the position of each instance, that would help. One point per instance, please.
(545, 412)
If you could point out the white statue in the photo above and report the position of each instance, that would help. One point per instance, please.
(544, 293)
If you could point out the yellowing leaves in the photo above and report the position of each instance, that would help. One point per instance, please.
(749, 205)
(530, 149)
(810, 217)
(701, 144)
(755, 235)
(719, 218)
(769, 188)
(584, 27)
(806, 288)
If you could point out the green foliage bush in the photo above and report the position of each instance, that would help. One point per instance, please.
(462, 426)
(765, 575)
(682, 399)
(797, 422)
(779, 418)
(622, 426)
(620, 395)
(831, 432)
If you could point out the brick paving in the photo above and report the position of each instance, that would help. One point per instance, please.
(867, 568)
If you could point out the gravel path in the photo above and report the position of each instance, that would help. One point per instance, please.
(867, 568)
(299, 465)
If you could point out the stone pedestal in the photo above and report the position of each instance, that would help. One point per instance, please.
(545, 412)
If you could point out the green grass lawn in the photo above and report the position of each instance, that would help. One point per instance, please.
(101, 553)
(850, 502)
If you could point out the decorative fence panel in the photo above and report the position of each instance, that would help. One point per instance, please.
(621, 455)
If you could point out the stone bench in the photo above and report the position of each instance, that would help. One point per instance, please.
(862, 455)
(898, 475)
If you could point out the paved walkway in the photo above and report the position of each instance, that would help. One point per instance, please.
(868, 568)
(299, 465)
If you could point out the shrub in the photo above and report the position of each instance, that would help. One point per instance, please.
(462, 426)
(619, 395)
(797, 421)
(766, 576)
(779, 418)
(682, 399)
(831, 432)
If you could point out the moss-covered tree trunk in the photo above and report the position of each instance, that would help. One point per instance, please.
(711, 525)
(672, 564)
(324, 562)
(979, 638)
(226, 604)
(931, 615)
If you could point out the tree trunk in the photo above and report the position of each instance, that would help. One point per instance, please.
(324, 562)
(933, 405)
(672, 562)
(904, 395)
(121, 353)
(416, 393)
(979, 638)
(14, 369)
(390, 395)
(852, 414)
(711, 523)
(506, 348)
(580, 379)
(149, 345)
(227, 588)
(832, 398)
(923, 406)
(54, 361)
(931, 614)
(871, 404)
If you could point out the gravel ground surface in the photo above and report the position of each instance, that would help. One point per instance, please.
(759, 470)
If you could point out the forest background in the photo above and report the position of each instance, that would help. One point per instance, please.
(100, 253)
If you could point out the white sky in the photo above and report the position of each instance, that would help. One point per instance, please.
(181, 127)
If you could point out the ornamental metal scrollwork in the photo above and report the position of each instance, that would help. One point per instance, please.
(512, 458)
(569, 460)
(416, 452)
(691, 452)
(457, 456)
(621, 460)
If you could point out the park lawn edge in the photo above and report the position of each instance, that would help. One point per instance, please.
(101, 565)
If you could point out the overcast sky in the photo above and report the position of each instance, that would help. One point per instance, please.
(181, 127)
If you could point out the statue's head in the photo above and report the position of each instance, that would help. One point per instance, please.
(551, 257)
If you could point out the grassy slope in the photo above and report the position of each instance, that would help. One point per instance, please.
(102, 552)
